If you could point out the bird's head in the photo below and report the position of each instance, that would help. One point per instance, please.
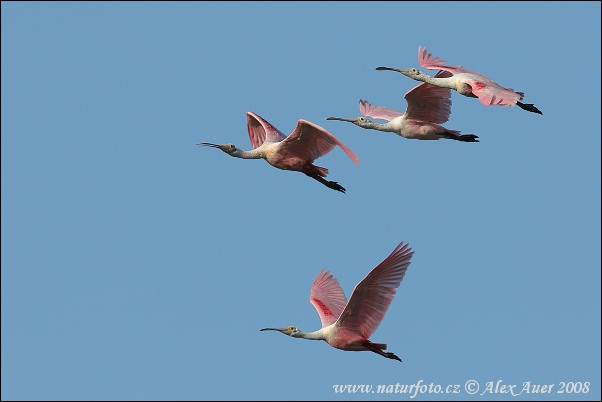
(290, 330)
(409, 72)
(358, 121)
(230, 149)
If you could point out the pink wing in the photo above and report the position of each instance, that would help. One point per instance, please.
(373, 295)
(310, 141)
(488, 91)
(427, 60)
(378, 112)
(260, 130)
(327, 297)
(491, 93)
(429, 103)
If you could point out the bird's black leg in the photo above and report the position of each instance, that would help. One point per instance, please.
(529, 107)
(463, 138)
(388, 355)
(391, 355)
(330, 184)
(468, 138)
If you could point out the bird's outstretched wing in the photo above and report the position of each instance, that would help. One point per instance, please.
(327, 297)
(491, 93)
(261, 130)
(378, 112)
(310, 141)
(429, 103)
(488, 91)
(373, 295)
(427, 60)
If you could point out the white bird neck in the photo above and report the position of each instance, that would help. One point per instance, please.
(252, 154)
(389, 126)
(320, 335)
(443, 82)
(378, 126)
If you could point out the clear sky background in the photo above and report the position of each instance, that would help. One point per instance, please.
(136, 265)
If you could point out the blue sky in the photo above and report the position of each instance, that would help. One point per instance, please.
(136, 265)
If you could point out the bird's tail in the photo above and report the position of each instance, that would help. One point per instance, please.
(451, 133)
(320, 171)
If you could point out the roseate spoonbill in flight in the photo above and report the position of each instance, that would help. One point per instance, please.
(466, 82)
(428, 107)
(295, 152)
(348, 325)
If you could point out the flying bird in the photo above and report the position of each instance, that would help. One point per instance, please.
(295, 152)
(348, 325)
(466, 82)
(428, 107)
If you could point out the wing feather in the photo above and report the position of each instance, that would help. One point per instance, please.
(261, 130)
(310, 141)
(428, 61)
(378, 112)
(327, 297)
(373, 294)
(429, 103)
(490, 92)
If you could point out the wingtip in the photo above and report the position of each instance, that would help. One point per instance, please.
(354, 158)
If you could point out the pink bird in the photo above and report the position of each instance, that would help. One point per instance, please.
(466, 82)
(295, 152)
(348, 325)
(428, 107)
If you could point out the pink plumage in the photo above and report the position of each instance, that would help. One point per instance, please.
(428, 107)
(296, 152)
(260, 129)
(465, 82)
(372, 296)
(327, 297)
(347, 325)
